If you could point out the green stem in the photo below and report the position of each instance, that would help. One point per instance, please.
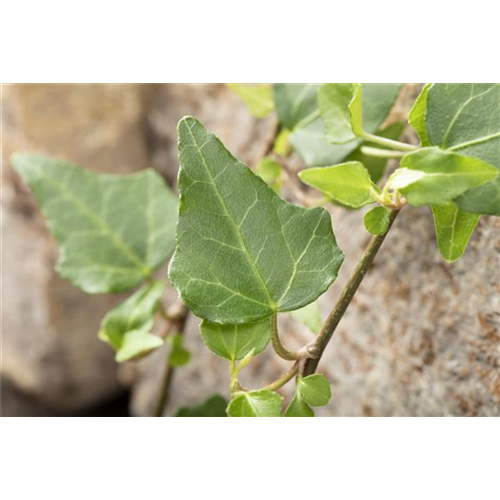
(383, 141)
(346, 297)
(282, 380)
(280, 349)
(381, 153)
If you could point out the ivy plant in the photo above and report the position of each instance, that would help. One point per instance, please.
(240, 254)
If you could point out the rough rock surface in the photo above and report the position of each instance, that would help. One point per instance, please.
(422, 337)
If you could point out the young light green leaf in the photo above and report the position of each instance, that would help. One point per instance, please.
(282, 143)
(112, 230)
(298, 408)
(432, 176)
(465, 118)
(126, 327)
(257, 97)
(335, 101)
(234, 342)
(348, 183)
(310, 316)
(376, 166)
(255, 404)
(453, 230)
(296, 103)
(244, 254)
(417, 116)
(377, 220)
(215, 406)
(315, 390)
(271, 173)
(310, 141)
(179, 355)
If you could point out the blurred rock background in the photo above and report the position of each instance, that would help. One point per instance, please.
(422, 337)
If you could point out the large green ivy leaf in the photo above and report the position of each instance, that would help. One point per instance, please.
(315, 390)
(256, 404)
(296, 103)
(127, 327)
(309, 139)
(215, 406)
(112, 230)
(453, 230)
(465, 118)
(234, 342)
(348, 183)
(243, 253)
(257, 97)
(432, 176)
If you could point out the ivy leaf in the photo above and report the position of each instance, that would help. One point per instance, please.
(243, 253)
(257, 97)
(298, 408)
(432, 176)
(465, 119)
(296, 103)
(234, 342)
(255, 404)
(377, 220)
(453, 230)
(348, 183)
(315, 390)
(215, 406)
(310, 316)
(126, 327)
(340, 105)
(112, 230)
(417, 116)
(179, 355)
(308, 137)
(271, 173)
(376, 166)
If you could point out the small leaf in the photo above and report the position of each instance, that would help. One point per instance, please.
(465, 118)
(255, 404)
(178, 356)
(310, 316)
(315, 390)
(271, 173)
(112, 230)
(377, 220)
(299, 408)
(257, 97)
(296, 103)
(348, 183)
(234, 342)
(215, 406)
(282, 143)
(335, 101)
(126, 327)
(417, 116)
(453, 230)
(432, 176)
(243, 253)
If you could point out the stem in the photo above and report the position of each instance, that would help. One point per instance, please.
(280, 349)
(383, 141)
(346, 297)
(381, 153)
(178, 323)
(282, 380)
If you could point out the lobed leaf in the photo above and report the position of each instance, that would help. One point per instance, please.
(112, 230)
(257, 97)
(243, 253)
(348, 183)
(234, 342)
(127, 327)
(432, 176)
(255, 404)
(453, 230)
(314, 390)
(465, 119)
